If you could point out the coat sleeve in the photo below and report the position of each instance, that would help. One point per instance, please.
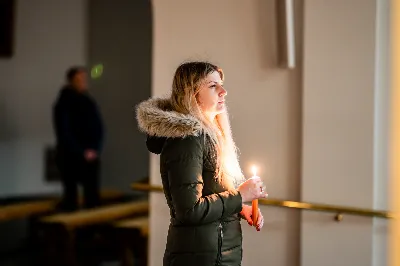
(184, 161)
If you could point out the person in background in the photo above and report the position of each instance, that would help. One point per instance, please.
(79, 134)
(203, 183)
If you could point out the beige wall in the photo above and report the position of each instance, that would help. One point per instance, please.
(264, 105)
(311, 130)
(394, 150)
(338, 129)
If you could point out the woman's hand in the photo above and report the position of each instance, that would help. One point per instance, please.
(253, 188)
(246, 214)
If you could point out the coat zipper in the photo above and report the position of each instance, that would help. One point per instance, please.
(220, 238)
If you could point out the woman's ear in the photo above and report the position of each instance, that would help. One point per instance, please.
(198, 100)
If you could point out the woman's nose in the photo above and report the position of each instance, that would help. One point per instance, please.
(222, 92)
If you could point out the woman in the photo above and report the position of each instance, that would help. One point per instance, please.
(202, 180)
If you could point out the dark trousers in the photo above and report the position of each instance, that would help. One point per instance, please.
(75, 172)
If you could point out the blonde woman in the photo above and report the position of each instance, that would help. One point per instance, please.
(202, 180)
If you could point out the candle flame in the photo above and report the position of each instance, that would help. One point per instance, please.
(254, 170)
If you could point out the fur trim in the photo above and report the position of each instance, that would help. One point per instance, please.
(156, 118)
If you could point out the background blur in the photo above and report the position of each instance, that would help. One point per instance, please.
(322, 131)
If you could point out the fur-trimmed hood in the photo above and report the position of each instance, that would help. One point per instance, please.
(156, 118)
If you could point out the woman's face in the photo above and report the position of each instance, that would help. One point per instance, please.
(211, 95)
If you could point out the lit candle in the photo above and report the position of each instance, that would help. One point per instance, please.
(254, 203)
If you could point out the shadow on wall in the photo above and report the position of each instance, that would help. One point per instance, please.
(124, 48)
(7, 149)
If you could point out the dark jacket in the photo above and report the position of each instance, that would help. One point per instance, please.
(77, 123)
(205, 226)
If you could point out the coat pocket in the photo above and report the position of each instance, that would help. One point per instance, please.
(193, 239)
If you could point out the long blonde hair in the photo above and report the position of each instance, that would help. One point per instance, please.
(185, 87)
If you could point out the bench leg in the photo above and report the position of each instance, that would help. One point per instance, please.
(133, 247)
(50, 245)
(70, 248)
(145, 250)
(127, 256)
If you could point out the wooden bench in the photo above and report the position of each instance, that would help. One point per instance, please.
(26, 209)
(60, 229)
(107, 195)
(98, 215)
(29, 208)
(133, 234)
(141, 224)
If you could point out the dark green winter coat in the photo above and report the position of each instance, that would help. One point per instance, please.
(205, 226)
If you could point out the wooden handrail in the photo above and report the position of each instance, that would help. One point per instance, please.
(338, 210)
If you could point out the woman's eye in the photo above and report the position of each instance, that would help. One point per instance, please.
(213, 86)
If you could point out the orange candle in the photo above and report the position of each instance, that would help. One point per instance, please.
(254, 203)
